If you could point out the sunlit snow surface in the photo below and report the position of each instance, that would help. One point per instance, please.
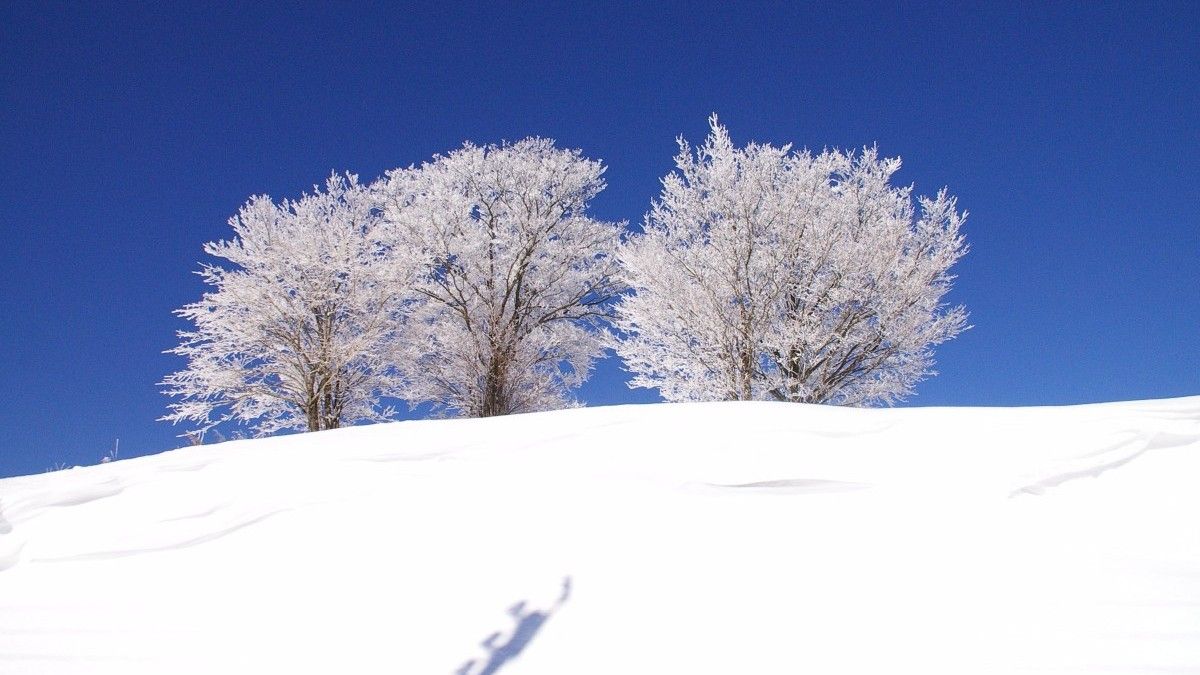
(703, 538)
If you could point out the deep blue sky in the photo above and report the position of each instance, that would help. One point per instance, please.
(129, 134)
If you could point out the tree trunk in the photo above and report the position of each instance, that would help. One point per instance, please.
(494, 396)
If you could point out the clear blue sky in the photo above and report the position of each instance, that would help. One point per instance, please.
(129, 134)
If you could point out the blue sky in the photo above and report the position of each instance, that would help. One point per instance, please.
(129, 134)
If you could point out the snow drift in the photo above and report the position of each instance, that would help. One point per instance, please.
(698, 538)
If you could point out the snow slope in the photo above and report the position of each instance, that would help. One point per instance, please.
(690, 538)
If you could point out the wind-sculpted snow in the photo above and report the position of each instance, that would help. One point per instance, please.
(698, 538)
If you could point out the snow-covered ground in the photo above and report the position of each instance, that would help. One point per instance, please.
(695, 538)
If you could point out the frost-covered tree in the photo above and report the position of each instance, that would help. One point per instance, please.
(298, 332)
(518, 276)
(765, 273)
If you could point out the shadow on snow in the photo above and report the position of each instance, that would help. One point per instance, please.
(527, 624)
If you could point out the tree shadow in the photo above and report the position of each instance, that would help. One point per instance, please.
(527, 624)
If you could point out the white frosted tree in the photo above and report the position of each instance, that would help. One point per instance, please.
(769, 274)
(298, 332)
(518, 279)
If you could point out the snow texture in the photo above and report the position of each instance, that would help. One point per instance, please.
(739, 537)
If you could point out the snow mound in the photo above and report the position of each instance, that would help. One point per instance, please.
(699, 538)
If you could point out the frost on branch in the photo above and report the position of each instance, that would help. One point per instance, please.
(770, 274)
(297, 333)
(518, 276)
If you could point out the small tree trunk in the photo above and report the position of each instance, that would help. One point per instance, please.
(747, 373)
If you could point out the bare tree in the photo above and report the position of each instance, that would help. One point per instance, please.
(518, 277)
(765, 273)
(299, 333)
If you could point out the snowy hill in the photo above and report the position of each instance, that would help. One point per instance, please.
(698, 538)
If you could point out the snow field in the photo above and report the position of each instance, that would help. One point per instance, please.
(700, 538)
